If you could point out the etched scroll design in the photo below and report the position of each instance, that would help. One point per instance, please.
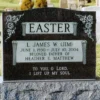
(11, 21)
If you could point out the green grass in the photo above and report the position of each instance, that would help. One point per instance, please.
(98, 61)
(4, 4)
(55, 4)
(91, 4)
(0, 62)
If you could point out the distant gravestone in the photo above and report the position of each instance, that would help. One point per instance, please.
(63, 3)
(97, 10)
(72, 4)
(81, 3)
(98, 2)
(49, 1)
(48, 44)
(50, 5)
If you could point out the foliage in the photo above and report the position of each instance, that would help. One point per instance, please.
(98, 61)
(9, 1)
(55, 1)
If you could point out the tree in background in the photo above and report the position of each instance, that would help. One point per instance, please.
(89, 1)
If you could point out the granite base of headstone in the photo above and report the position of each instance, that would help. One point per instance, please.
(72, 90)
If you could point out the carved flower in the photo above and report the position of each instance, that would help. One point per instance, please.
(10, 22)
(10, 25)
(87, 21)
(88, 31)
(14, 18)
(88, 25)
(91, 22)
(89, 18)
(83, 19)
(8, 30)
(9, 18)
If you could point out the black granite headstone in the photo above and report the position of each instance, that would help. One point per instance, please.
(49, 44)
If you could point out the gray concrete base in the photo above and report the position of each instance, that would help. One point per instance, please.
(73, 90)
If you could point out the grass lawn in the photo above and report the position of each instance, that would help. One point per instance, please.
(98, 61)
(91, 4)
(55, 3)
(4, 5)
(0, 61)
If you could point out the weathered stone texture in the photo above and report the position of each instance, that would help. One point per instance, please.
(73, 90)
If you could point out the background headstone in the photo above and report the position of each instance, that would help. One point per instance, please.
(81, 3)
(63, 3)
(49, 1)
(73, 4)
(98, 2)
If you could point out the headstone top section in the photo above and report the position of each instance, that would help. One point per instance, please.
(49, 44)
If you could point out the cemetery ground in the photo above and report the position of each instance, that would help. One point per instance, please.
(6, 4)
(98, 61)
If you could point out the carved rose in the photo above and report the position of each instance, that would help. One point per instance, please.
(83, 19)
(11, 21)
(89, 18)
(10, 25)
(15, 19)
(88, 25)
(9, 18)
(87, 21)
(88, 31)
